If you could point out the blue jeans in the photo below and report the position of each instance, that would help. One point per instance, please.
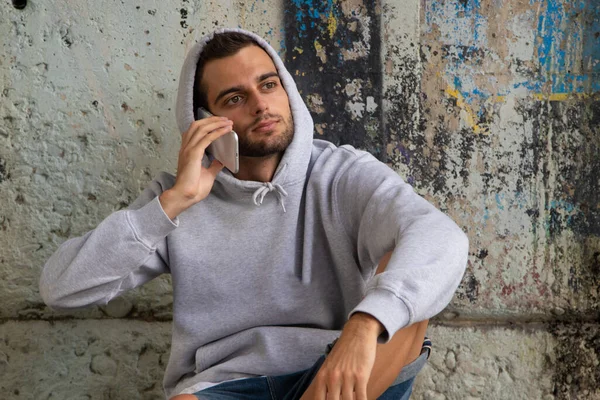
(292, 386)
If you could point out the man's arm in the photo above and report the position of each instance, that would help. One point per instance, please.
(368, 380)
(381, 214)
(127, 249)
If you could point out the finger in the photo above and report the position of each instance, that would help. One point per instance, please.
(211, 137)
(347, 389)
(215, 168)
(320, 388)
(348, 396)
(201, 131)
(202, 127)
(334, 386)
(360, 389)
(218, 131)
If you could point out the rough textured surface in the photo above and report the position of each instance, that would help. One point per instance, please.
(510, 148)
(490, 108)
(87, 120)
(124, 359)
(488, 363)
(83, 359)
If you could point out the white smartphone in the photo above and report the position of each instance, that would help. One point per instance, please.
(225, 148)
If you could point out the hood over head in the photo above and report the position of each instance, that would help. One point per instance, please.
(294, 164)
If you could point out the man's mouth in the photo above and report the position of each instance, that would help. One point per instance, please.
(265, 126)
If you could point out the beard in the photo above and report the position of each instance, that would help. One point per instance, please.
(270, 142)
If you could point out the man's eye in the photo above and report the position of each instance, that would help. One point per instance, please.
(270, 85)
(234, 100)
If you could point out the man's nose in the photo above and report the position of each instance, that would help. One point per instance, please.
(259, 105)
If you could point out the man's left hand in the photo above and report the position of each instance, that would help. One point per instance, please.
(345, 373)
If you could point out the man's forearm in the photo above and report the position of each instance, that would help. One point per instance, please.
(364, 324)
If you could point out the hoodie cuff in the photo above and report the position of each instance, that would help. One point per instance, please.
(150, 223)
(387, 308)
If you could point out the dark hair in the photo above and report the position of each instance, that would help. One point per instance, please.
(220, 46)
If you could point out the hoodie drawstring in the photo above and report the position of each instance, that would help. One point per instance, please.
(267, 187)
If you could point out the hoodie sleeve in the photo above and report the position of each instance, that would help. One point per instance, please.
(381, 212)
(126, 250)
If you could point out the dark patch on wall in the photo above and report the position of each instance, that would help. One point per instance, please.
(65, 35)
(531, 149)
(3, 174)
(572, 199)
(307, 22)
(595, 264)
(464, 55)
(184, 15)
(575, 369)
(466, 147)
(586, 177)
(405, 133)
(578, 175)
(554, 222)
(564, 153)
(482, 254)
(469, 288)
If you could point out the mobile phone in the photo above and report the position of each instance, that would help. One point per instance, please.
(225, 148)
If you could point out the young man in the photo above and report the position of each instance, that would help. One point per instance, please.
(309, 274)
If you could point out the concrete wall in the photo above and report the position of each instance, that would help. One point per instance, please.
(489, 108)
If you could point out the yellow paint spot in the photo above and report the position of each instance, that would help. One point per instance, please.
(331, 24)
(551, 97)
(470, 115)
(318, 46)
(298, 50)
(320, 51)
(561, 96)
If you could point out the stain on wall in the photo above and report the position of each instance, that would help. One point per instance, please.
(577, 375)
(509, 100)
(333, 52)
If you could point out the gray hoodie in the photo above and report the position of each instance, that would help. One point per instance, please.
(265, 274)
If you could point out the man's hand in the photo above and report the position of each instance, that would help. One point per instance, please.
(194, 182)
(345, 373)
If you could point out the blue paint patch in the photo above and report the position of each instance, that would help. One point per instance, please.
(312, 10)
(499, 199)
(564, 29)
(563, 207)
(567, 47)
(562, 204)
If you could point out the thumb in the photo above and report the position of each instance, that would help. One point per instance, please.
(214, 168)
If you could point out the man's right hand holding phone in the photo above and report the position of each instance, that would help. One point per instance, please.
(194, 181)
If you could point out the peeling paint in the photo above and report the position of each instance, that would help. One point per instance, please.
(340, 67)
(509, 147)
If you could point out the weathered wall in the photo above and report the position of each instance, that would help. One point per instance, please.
(510, 146)
(489, 108)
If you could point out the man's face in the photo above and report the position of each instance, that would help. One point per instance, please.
(246, 89)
